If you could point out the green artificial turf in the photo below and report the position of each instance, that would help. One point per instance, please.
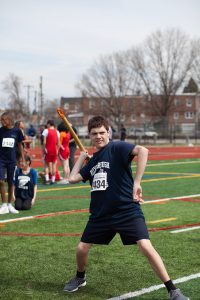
(36, 267)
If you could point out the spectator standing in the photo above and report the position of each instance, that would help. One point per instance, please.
(25, 184)
(26, 141)
(42, 127)
(10, 138)
(122, 133)
(50, 148)
(32, 135)
(64, 152)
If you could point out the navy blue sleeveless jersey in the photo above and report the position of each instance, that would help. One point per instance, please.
(9, 139)
(110, 175)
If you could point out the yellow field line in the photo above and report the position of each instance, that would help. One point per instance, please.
(66, 188)
(162, 220)
(60, 189)
(88, 186)
(170, 178)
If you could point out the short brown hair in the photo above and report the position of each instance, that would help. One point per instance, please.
(27, 158)
(97, 121)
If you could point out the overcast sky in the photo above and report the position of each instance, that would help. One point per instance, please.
(61, 39)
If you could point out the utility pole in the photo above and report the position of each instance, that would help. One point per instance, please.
(28, 97)
(41, 96)
(35, 101)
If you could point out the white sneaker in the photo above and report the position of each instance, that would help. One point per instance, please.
(12, 210)
(4, 209)
(63, 181)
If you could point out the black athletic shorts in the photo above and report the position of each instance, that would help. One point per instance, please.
(130, 232)
(7, 168)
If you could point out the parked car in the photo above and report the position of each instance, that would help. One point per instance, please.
(82, 131)
(140, 132)
(151, 133)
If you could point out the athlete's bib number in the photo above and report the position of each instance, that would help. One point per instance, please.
(99, 182)
(8, 142)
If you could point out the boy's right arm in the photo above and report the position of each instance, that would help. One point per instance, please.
(142, 156)
(75, 176)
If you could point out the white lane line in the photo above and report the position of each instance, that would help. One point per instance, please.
(154, 288)
(172, 198)
(17, 219)
(185, 229)
(146, 202)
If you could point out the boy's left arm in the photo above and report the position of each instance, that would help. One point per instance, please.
(34, 195)
(142, 157)
(35, 177)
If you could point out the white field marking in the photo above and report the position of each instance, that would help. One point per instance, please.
(146, 202)
(154, 288)
(40, 216)
(185, 229)
(17, 219)
(174, 163)
(172, 198)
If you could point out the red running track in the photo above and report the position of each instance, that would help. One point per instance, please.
(155, 153)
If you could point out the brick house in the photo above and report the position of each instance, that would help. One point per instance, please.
(137, 112)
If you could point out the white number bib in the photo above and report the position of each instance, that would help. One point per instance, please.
(99, 182)
(8, 142)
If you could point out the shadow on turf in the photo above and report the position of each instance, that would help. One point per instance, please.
(31, 287)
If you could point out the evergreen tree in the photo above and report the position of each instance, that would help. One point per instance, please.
(192, 87)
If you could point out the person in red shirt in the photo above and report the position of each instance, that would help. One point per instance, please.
(50, 148)
(64, 152)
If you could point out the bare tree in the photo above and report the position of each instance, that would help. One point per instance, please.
(50, 111)
(163, 63)
(109, 80)
(196, 64)
(12, 86)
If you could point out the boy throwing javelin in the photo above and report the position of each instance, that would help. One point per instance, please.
(115, 203)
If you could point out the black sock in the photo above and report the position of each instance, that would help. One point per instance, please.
(169, 285)
(80, 274)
